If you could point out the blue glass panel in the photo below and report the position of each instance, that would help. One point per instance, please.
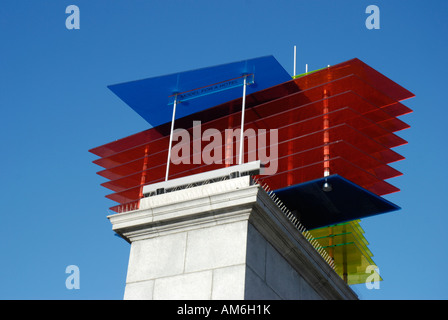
(151, 97)
(346, 201)
(196, 93)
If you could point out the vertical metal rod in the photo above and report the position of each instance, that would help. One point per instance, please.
(326, 141)
(243, 107)
(143, 178)
(295, 61)
(171, 139)
(344, 255)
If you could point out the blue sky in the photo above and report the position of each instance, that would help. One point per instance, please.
(55, 107)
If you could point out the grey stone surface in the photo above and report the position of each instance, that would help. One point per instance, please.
(281, 276)
(229, 283)
(189, 286)
(139, 290)
(217, 246)
(256, 288)
(157, 257)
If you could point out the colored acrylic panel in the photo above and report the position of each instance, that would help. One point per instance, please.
(346, 245)
(150, 97)
(362, 70)
(291, 153)
(346, 201)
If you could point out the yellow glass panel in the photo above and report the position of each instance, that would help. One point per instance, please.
(346, 244)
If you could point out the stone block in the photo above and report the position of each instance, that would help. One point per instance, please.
(189, 286)
(216, 247)
(139, 290)
(157, 257)
(229, 283)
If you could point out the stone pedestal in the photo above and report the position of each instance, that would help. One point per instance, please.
(223, 240)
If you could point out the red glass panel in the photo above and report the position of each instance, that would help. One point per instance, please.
(287, 149)
(362, 70)
(264, 112)
(127, 142)
(315, 171)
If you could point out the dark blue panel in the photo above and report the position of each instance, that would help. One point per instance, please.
(346, 201)
(150, 97)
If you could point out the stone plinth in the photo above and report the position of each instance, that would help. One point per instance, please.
(223, 240)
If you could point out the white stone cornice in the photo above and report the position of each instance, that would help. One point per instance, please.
(219, 202)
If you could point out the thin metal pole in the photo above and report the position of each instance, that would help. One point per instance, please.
(295, 60)
(143, 178)
(243, 107)
(326, 125)
(171, 139)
